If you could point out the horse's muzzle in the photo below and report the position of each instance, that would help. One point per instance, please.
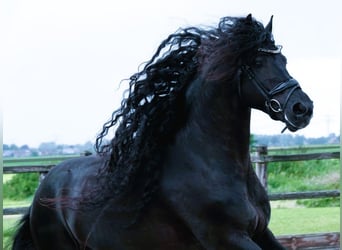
(298, 114)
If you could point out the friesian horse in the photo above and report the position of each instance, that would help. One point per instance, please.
(177, 174)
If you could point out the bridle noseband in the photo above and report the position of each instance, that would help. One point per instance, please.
(271, 103)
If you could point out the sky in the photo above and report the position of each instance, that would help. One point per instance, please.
(61, 62)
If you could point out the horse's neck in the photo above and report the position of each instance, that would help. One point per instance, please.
(220, 127)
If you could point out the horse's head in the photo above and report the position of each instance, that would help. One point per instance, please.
(266, 85)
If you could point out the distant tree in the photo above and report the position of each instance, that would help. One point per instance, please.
(299, 140)
(13, 147)
(34, 153)
(88, 147)
(25, 147)
(48, 148)
(285, 140)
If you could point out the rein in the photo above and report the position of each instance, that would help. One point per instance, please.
(271, 103)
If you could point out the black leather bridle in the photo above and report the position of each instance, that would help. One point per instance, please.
(271, 103)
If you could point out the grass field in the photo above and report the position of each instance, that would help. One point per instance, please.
(7, 177)
(284, 221)
(9, 223)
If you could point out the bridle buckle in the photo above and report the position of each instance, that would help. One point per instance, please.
(274, 105)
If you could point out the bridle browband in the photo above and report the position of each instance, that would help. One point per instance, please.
(271, 103)
(272, 51)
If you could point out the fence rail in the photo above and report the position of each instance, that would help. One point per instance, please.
(27, 169)
(326, 241)
(260, 158)
(295, 157)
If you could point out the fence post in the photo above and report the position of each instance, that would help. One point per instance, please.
(261, 165)
(41, 177)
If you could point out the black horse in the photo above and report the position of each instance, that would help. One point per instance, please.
(177, 174)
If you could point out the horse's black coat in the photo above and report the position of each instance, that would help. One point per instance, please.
(177, 174)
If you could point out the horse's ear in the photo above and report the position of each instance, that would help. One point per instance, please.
(268, 27)
(249, 18)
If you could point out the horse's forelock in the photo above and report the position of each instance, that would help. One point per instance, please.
(237, 40)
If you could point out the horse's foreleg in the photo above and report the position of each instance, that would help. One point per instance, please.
(236, 241)
(49, 231)
(267, 241)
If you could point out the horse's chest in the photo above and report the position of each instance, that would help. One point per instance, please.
(209, 199)
(235, 211)
(157, 228)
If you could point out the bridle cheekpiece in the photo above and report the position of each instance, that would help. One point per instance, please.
(271, 103)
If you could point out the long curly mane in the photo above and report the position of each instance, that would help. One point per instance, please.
(155, 106)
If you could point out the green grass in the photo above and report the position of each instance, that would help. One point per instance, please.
(21, 203)
(289, 221)
(9, 223)
(7, 177)
(313, 175)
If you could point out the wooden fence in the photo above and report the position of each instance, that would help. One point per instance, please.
(260, 158)
(306, 241)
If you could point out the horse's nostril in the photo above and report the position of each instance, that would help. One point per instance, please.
(299, 109)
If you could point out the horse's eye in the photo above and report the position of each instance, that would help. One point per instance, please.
(258, 62)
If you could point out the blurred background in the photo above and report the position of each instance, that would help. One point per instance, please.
(62, 61)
